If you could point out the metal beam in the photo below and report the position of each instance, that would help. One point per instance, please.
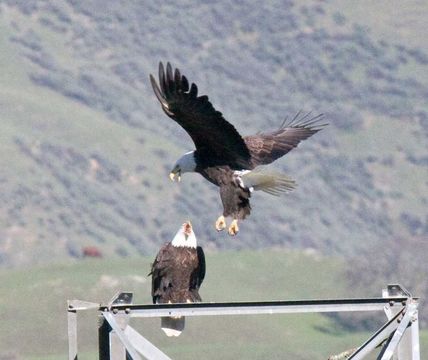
(78, 305)
(251, 308)
(104, 330)
(72, 334)
(72, 307)
(115, 330)
(414, 329)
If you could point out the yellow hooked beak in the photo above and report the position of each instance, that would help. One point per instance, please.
(187, 227)
(175, 174)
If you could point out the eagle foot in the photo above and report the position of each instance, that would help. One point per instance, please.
(233, 228)
(220, 224)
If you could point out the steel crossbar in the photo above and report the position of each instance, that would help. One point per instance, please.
(119, 340)
(252, 308)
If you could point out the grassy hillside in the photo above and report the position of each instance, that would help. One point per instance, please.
(34, 327)
(86, 149)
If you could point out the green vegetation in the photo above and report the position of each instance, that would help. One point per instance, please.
(34, 327)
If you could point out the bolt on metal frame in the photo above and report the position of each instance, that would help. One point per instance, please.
(398, 337)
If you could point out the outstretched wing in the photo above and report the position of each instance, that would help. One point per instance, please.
(267, 147)
(210, 132)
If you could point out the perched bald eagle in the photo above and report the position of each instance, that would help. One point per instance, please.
(222, 155)
(177, 273)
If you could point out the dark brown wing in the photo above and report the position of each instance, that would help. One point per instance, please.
(199, 274)
(160, 272)
(267, 147)
(210, 132)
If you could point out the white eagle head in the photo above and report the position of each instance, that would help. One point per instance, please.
(185, 236)
(186, 163)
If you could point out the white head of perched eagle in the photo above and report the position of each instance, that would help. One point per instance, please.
(177, 273)
(222, 155)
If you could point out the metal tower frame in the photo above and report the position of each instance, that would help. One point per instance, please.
(398, 337)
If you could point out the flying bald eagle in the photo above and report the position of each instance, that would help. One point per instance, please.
(177, 273)
(222, 155)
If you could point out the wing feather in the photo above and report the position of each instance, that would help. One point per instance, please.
(159, 271)
(158, 93)
(267, 147)
(210, 132)
(201, 267)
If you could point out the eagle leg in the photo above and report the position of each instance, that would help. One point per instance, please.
(220, 224)
(233, 228)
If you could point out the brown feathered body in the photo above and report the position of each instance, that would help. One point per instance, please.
(177, 274)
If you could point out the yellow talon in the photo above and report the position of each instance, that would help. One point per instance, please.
(220, 224)
(233, 228)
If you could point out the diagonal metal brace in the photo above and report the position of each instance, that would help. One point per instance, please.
(144, 346)
(121, 335)
(410, 312)
(134, 342)
(384, 332)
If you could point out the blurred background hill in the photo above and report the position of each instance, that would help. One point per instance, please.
(86, 150)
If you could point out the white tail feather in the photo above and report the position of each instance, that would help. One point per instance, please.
(271, 182)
